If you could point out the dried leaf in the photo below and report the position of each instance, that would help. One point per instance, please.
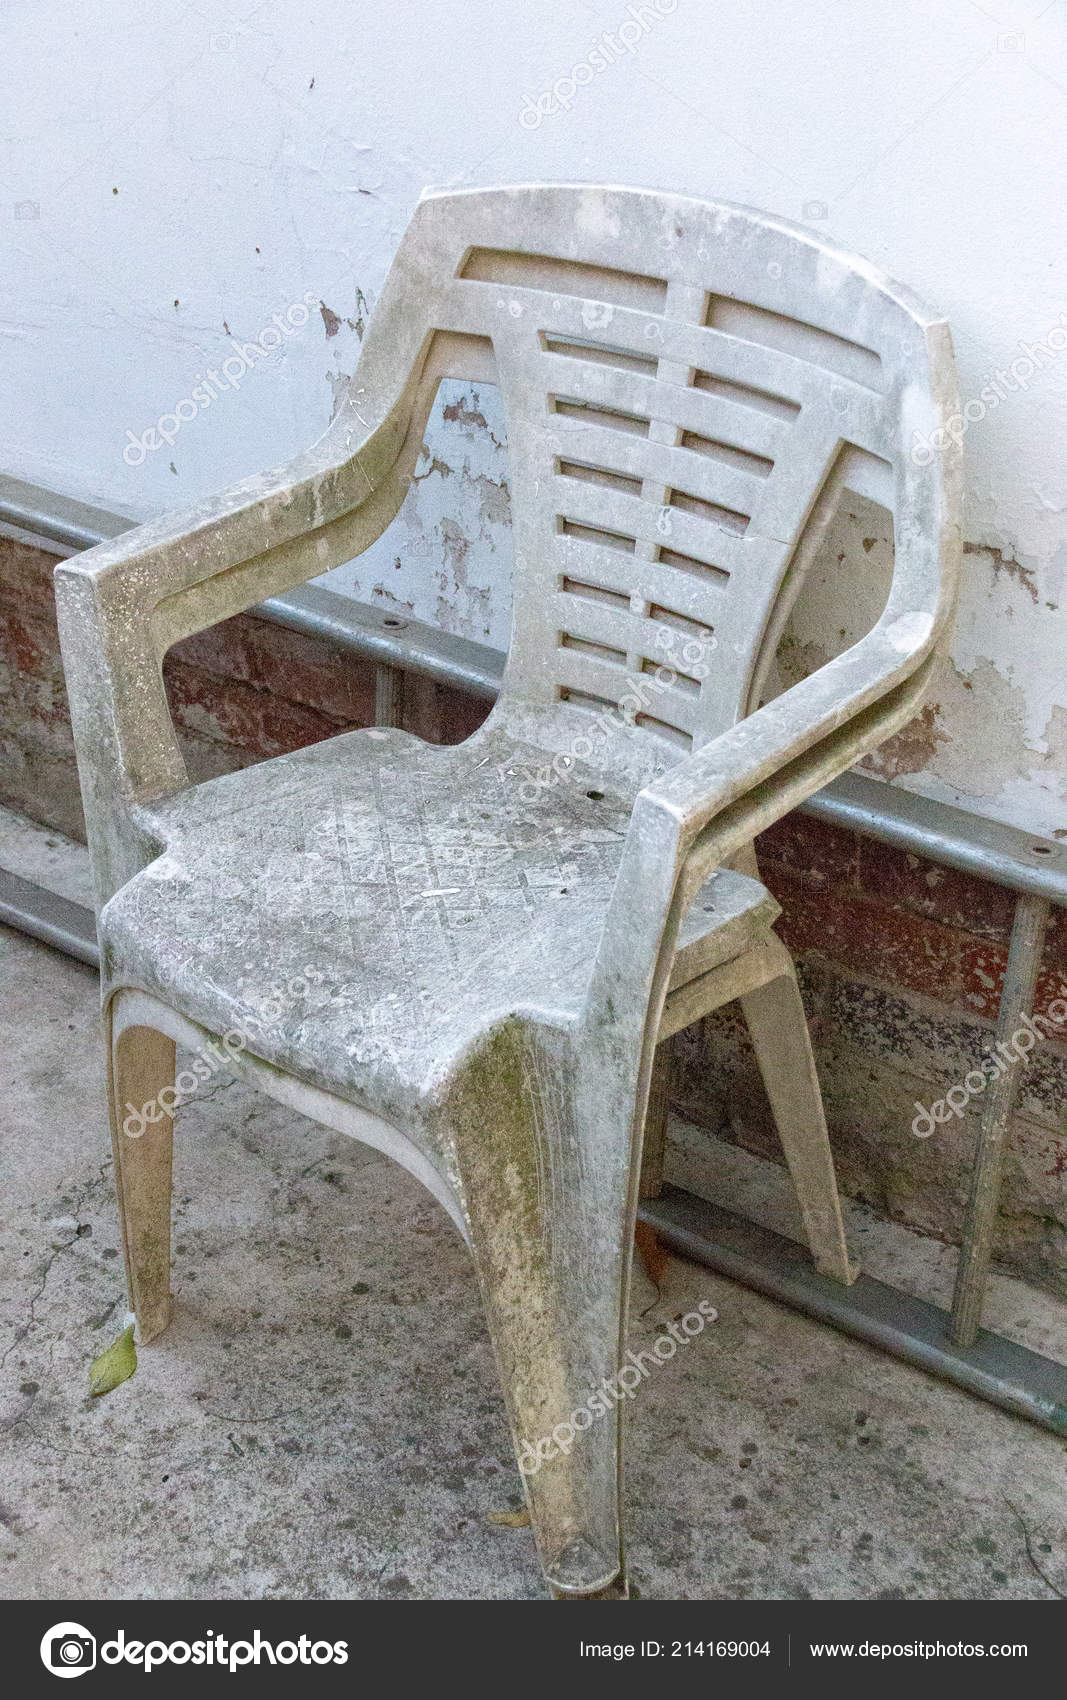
(509, 1519)
(114, 1366)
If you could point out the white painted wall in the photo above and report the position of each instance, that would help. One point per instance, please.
(172, 176)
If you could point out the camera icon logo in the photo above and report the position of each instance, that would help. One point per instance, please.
(68, 1649)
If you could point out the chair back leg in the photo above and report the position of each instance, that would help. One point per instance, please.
(774, 1013)
(655, 1141)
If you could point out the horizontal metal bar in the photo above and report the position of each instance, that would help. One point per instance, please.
(389, 639)
(57, 519)
(989, 849)
(45, 915)
(908, 1328)
(358, 628)
(954, 837)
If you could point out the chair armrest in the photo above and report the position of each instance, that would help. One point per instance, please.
(722, 795)
(124, 603)
(702, 810)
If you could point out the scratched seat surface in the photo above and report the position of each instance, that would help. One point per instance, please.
(367, 890)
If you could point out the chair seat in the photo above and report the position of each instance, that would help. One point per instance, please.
(361, 910)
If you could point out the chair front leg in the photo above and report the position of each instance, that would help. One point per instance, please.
(141, 1098)
(550, 1219)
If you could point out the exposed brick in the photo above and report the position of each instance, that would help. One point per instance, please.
(291, 725)
(1051, 988)
(231, 711)
(899, 948)
(206, 758)
(823, 854)
(1056, 938)
(26, 579)
(896, 877)
(982, 965)
(871, 939)
(459, 715)
(221, 649)
(223, 710)
(305, 670)
(810, 920)
(26, 643)
(35, 696)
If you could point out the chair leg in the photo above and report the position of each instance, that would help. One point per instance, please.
(775, 1016)
(141, 1083)
(659, 1098)
(549, 1199)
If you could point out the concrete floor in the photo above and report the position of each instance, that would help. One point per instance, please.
(322, 1418)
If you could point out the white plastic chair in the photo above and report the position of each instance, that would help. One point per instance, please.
(473, 951)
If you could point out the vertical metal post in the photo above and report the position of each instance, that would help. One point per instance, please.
(388, 696)
(1024, 956)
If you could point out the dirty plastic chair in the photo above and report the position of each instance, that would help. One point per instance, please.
(466, 956)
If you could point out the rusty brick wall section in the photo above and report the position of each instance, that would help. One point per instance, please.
(901, 961)
(899, 919)
(240, 693)
(37, 768)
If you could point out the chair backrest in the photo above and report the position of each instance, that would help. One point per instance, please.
(688, 386)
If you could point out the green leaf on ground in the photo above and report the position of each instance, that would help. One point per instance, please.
(114, 1366)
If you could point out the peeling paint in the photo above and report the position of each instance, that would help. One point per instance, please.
(992, 736)
(467, 414)
(1002, 563)
(447, 556)
(911, 749)
(358, 324)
